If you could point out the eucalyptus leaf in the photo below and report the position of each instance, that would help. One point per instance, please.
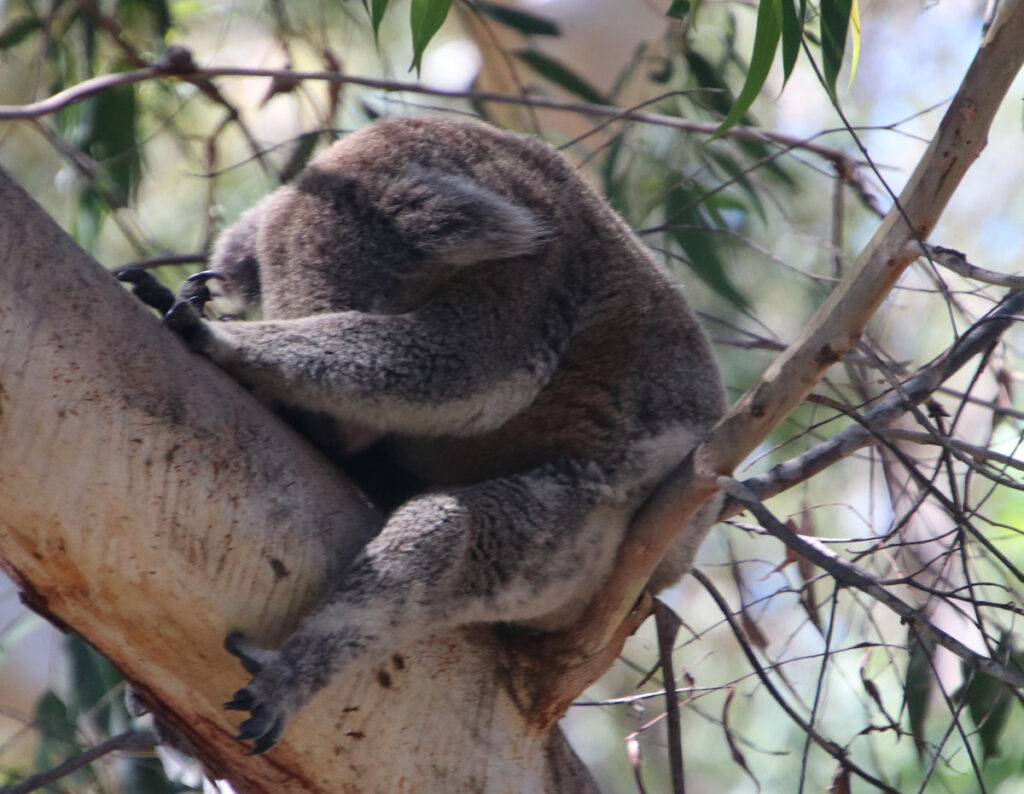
(678, 9)
(377, 9)
(526, 23)
(835, 21)
(695, 238)
(425, 19)
(792, 35)
(17, 30)
(561, 75)
(767, 32)
(918, 687)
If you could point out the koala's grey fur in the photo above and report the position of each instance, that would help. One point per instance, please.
(460, 296)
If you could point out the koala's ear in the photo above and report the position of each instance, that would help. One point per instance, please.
(460, 222)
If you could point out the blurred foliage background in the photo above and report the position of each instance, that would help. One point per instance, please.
(757, 228)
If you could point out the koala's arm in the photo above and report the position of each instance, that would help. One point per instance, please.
(450, 368)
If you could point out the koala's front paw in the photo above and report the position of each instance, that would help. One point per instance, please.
(147, 289)
(268, 697)
(194, 290)
(185, 317)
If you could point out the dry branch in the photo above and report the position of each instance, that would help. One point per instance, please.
(981, 336)
(828, 335)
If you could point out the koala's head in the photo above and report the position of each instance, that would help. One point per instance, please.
(375, 241)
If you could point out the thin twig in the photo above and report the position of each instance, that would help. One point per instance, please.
(130, 741)
(957, 262)
(975, 340)
(850, 575)
(92, 86)
(667, 623)
(829, 746)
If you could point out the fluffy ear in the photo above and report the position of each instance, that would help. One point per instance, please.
(458, 221)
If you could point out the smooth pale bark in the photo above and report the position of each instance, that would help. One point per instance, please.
(150, 504)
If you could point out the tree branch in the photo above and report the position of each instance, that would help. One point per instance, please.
(130, 741)
(978, 338)
(830, 333)
(824, 743)
(850, 575)
(96, 85)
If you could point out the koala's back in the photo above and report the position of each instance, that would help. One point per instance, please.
(635, 382)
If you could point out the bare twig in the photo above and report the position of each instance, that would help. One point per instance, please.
(971, 450)
(162, 260)
(982, 335)
(668, 627)
(826, 744)
(957, 262)
(91, 87)
(130, 741)
(851, 576)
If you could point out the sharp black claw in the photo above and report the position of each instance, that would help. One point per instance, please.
(240, 701)
(268, 739)
(255, 726)
(184, 320)
(195, 292)
(147, 289)
(205, 275)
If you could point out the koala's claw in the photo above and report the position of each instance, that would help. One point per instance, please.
(269, 737)
(147, 289)
(265, 697)
(194, 290)
(242, 700)
(184, 320)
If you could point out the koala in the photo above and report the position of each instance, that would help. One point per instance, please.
(458, 298)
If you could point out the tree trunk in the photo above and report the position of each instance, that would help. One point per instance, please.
(151, 504)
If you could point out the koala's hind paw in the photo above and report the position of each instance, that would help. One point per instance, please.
(265, 698)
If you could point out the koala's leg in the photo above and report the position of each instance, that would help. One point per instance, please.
(509, 550)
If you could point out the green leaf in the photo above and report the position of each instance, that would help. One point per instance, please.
(18, 30)
(92, 679)
(917, 690)
(523, 21)
(854, 39)
(767, 31)
(56, 732)
(105, 128)
(135, 14)
(735, 172)
(696, 239)
(989, 705)
(88, 218)
(377, 9)
(561, 75)
(720, 97)
(678, 9)
(835, 20)
(792, 35)
(425, 18)
(988, 700)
